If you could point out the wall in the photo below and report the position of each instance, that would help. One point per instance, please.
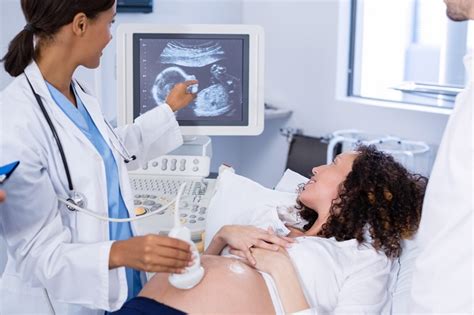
(11, 22)
(303, 50)
(305, 40)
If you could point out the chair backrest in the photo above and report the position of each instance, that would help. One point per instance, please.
(305, 152)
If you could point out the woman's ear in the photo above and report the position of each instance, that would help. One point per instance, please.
(80, 24)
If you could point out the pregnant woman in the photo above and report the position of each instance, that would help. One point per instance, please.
(359, 209)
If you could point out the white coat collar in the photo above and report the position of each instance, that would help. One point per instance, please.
(39, 85)
(37, 81)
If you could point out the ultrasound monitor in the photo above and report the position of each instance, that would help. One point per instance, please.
(227, 60)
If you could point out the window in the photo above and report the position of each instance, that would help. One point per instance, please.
(407, 51)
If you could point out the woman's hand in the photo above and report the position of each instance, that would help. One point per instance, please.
(271, 262)
(179, 96)
(151, 253)
(242, 238)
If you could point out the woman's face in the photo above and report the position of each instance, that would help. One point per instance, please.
(323, 186)
(97, 37)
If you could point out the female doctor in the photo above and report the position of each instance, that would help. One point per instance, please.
(62, 261)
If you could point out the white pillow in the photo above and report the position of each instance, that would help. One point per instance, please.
(290, 181)
(239, 200)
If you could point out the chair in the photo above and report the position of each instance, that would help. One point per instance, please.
(306, 152)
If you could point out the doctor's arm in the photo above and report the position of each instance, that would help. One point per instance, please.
(151, 253)
(156, 132)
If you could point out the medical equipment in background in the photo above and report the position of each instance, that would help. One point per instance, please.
(228, 62)
(416, 156)
(157, 183)
(347, 140)
(195, 272)
(305, 152)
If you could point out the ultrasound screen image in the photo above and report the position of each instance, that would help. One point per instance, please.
(218, 62)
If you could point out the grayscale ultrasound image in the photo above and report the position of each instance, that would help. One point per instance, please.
(216, 63)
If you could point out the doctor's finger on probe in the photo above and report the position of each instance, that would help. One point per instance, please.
(179, 97)
(145, 252)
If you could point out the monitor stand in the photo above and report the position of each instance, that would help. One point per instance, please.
(195, 145)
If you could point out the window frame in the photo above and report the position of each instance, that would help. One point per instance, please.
(351, 71)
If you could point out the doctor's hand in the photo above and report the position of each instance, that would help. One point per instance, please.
(151, 253)
(2, 195)
(179, 96)
(242, 239)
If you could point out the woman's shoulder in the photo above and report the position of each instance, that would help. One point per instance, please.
(327, 246)
(349, 250)
(328, 242)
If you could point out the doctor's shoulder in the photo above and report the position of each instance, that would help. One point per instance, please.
(19, 110)
(17, 94)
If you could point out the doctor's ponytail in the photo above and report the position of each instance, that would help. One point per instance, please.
(20, 53)
(45, 18)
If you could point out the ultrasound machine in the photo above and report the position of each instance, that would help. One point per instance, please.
(228, 62)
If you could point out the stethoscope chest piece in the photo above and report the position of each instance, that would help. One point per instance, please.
(77, 199)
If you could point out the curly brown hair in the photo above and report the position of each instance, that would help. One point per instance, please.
(380, 195)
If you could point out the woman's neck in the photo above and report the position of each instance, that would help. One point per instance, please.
(317, 226)
(57, 69)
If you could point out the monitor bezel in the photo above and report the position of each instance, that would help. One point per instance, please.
(126, 83)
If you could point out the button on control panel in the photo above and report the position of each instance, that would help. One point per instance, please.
(178, 165)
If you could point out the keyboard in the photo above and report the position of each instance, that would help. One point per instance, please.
(153, 191)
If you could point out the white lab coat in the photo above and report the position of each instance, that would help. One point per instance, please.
(55, 254)
(443, 275)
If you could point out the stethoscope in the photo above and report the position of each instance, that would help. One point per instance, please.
(76, 200)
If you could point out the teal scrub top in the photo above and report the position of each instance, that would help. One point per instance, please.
(117, 208)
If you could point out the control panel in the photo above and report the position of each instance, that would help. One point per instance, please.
(181, 165)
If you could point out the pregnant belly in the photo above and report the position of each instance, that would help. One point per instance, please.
(229, 286)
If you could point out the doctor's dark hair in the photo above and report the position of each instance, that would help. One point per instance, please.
(379, 198)
(44, 19)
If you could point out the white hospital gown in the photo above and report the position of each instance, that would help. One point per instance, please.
(336, 277)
